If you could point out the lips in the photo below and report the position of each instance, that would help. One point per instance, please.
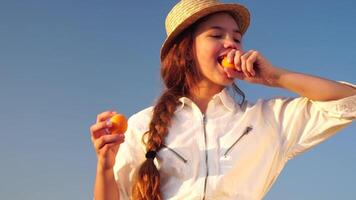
(222, 68)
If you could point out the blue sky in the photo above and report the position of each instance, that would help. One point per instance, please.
(63, 62)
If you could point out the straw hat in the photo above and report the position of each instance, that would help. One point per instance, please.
(186, 12)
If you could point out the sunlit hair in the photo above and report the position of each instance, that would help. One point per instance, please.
(179, 75)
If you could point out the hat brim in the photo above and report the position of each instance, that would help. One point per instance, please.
(239, 12)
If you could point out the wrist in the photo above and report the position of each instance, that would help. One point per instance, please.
(103, 168)
(277, 78)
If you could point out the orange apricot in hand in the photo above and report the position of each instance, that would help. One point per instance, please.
(119, 124)
(225, 63)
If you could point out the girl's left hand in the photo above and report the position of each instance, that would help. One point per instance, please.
(251, 66)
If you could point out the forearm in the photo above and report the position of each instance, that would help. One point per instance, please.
(313, 87)
(105, 185)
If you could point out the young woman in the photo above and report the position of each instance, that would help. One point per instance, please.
(197, 142)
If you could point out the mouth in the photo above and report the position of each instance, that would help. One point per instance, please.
(221, 66)
(220, 59)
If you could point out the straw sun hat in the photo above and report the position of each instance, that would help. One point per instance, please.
(186, 12)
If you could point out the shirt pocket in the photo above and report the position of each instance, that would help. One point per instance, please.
(228, 155)
(174, 162)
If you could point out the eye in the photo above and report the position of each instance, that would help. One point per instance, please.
(216, 35)
(237, 41)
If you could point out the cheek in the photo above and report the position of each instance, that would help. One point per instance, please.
(206, 53)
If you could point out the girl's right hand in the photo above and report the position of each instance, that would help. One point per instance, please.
(106, 145)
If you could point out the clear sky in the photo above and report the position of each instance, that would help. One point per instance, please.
(63, 62)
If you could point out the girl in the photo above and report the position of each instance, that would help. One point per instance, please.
(197, 142)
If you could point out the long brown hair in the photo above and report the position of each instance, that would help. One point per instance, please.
(179, 75)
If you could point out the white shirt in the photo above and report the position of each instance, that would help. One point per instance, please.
(231, 152)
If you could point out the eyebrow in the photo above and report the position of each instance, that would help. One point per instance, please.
(221, 28)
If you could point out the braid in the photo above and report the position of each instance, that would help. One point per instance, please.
(161, 120)
(148, 180)
(178, 76)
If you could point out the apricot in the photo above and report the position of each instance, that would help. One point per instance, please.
(225, 63)
(119, 124)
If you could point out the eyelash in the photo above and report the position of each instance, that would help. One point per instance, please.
(237, 41)
(219, 36)
(216, 36)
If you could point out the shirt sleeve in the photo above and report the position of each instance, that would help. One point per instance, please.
(303, 123)
(128, 158)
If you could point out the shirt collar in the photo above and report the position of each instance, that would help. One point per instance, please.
(227, 100)
(224, 97)
(183, 102)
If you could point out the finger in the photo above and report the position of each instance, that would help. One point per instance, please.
(116, 146)
(237, 60)
(105, 115)
(100, 128)
(113, 140)
(230, 56)
(232, 73)
(244, 58)
(250, 63)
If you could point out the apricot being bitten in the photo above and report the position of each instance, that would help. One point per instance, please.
(225, 63)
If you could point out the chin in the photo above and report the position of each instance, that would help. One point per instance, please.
(227, 82)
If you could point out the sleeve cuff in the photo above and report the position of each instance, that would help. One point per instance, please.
(342, 108)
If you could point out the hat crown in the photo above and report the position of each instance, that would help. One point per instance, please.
(185, 9)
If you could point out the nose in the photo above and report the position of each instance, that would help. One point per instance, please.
(229, 43)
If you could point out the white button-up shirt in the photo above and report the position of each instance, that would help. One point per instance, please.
(230, 152)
